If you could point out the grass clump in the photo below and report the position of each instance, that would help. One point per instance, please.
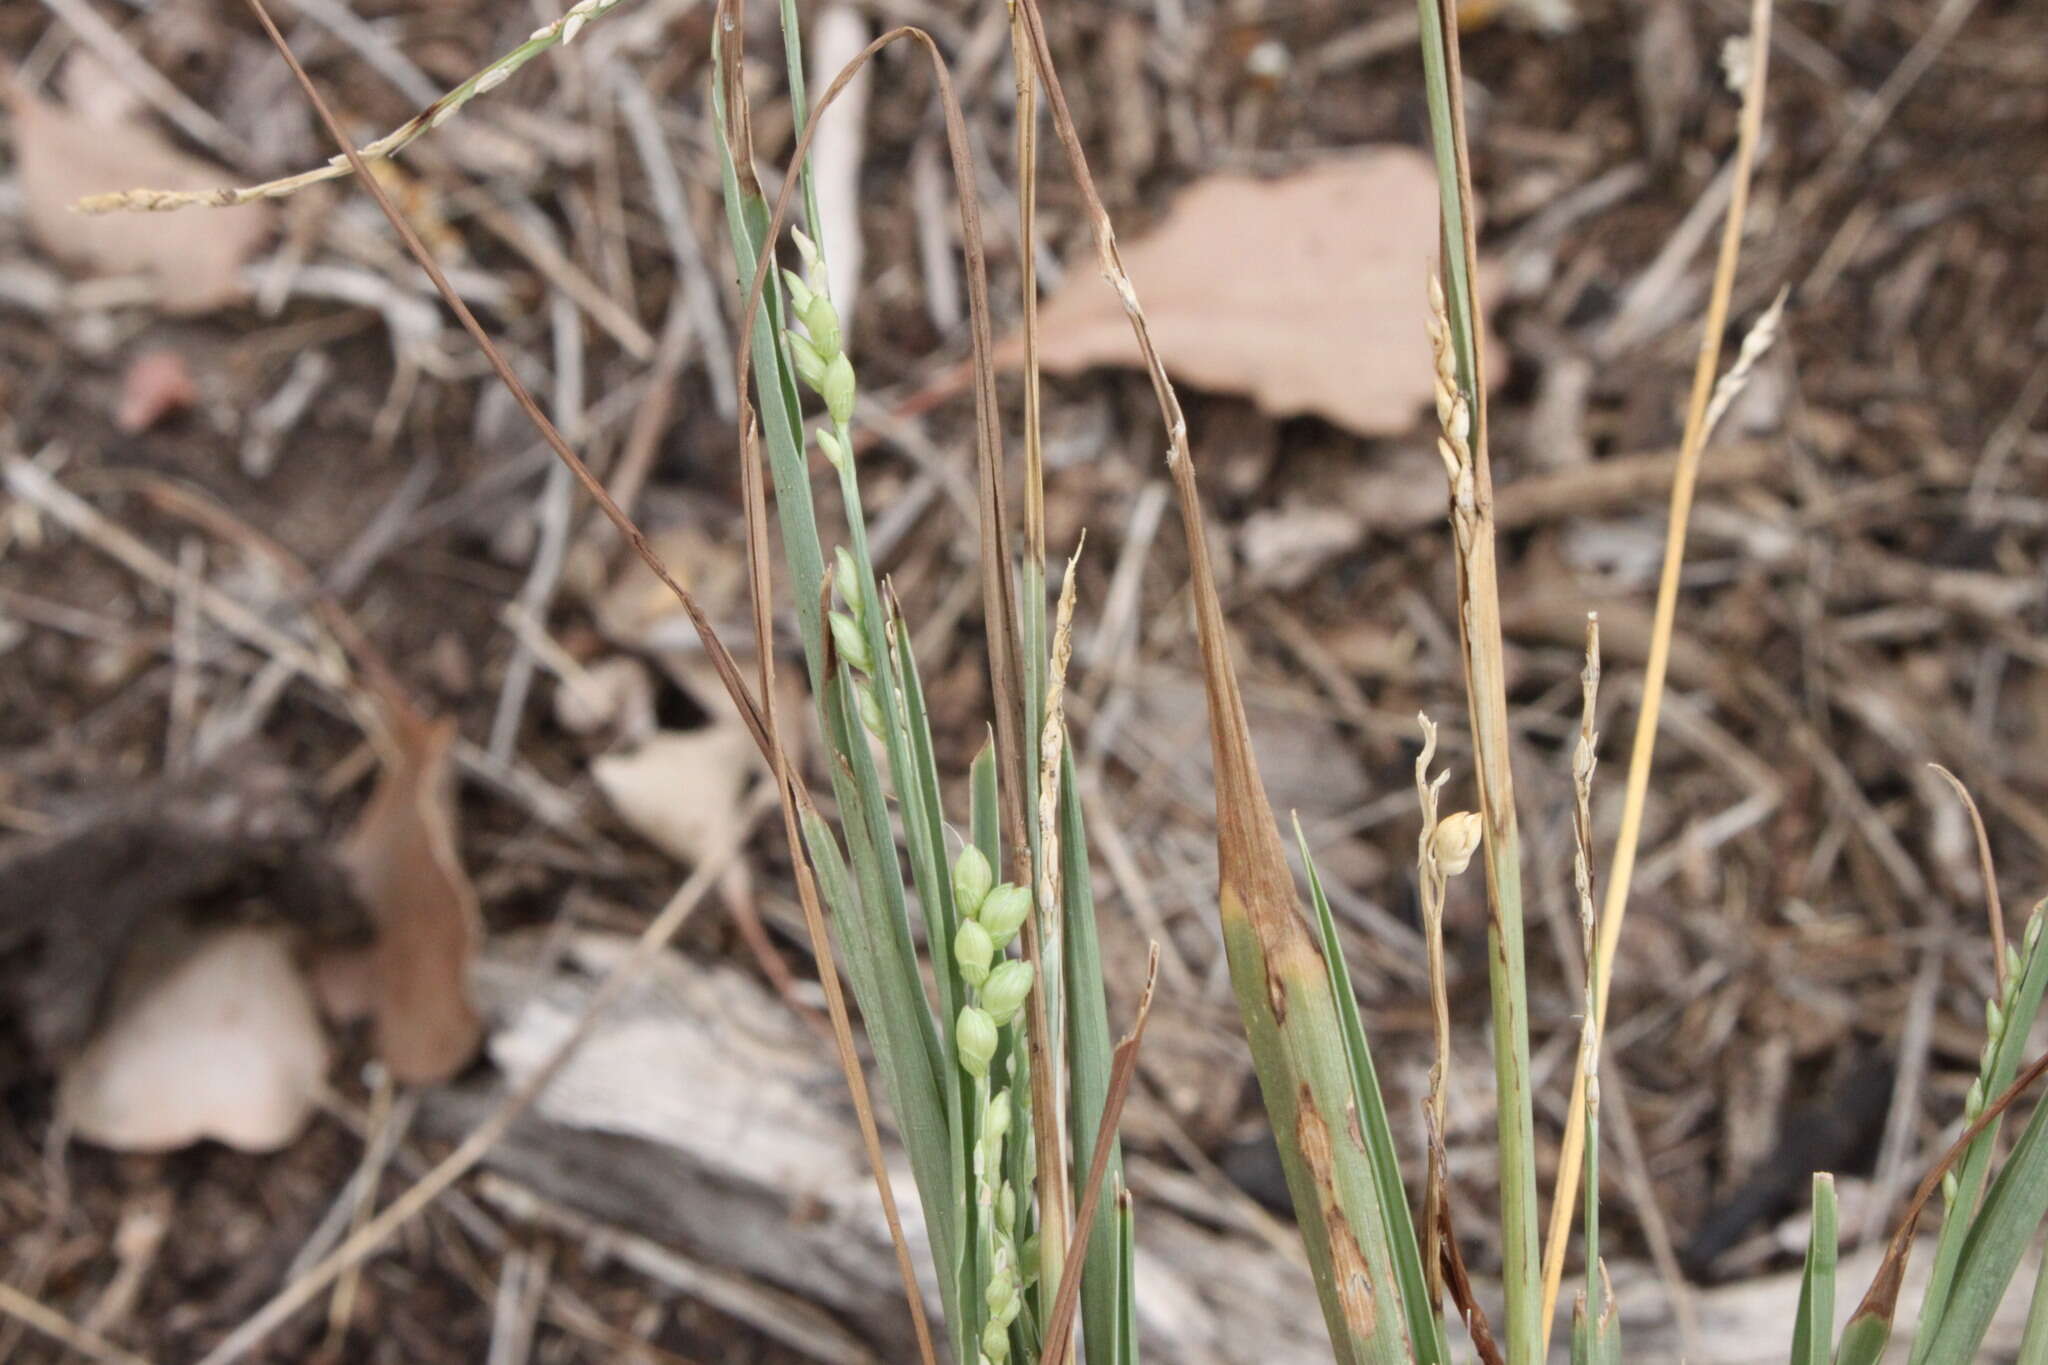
(1000, 1075)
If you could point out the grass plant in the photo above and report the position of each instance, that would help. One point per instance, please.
(999, 1074)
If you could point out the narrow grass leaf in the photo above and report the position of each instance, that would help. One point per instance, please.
(2001, 1062)
(2034, 1340)
(746, 213)
(1276, 968)
(984, 819)
(1813, 1333)
(941, 920)
(1425, 1325)
(898, 1033)
(1864, 1339)
(1126, 1281)
(1999, 1236)
(1088, 1071)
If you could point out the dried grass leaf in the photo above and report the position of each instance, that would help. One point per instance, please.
(1300, 292)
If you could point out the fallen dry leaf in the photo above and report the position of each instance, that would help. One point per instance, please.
(614, 693)
(217, 1038)
(402, 858)
(1303, 293)
(681, 790)
(194, 259)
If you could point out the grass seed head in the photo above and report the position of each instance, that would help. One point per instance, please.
(846, 577)
(972, 878)
(974, 951)
(1006, 989)
(838, 388)
(1002, 912)
(1456, 840)
(975, 1036)
(835, 453)
(852, 642)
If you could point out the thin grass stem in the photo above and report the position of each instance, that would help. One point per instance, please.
(1643, 751)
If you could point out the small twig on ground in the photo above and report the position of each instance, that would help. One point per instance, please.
(52, 1324)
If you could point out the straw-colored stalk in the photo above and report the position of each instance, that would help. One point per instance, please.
(1479, 632)
(1442, 849)
(1615, 907)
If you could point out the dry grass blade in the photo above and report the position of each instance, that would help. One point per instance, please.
(1277, 967)
(1429, 874)
(664, 926)
(1881, 1301)
(1615, 907)
(352, 159)
(1994, 909)
(1059, 1324)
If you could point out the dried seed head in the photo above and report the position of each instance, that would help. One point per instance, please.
(1458, 425)
(1002, 912)
(1003, 994)
(1455, 841)
(975, 1037)
(972, 878)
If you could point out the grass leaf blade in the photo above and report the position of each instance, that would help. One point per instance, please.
(1999, 1236)
(1425, 1325)
(1813, 1332)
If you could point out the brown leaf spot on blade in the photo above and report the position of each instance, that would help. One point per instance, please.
(1347, 1260)
(1276, 996)
(194, 261)
(1299, 292)
(402, 858)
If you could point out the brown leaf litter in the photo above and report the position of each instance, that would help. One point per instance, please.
(194, 261)
(1300, 293)
(402, 858)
